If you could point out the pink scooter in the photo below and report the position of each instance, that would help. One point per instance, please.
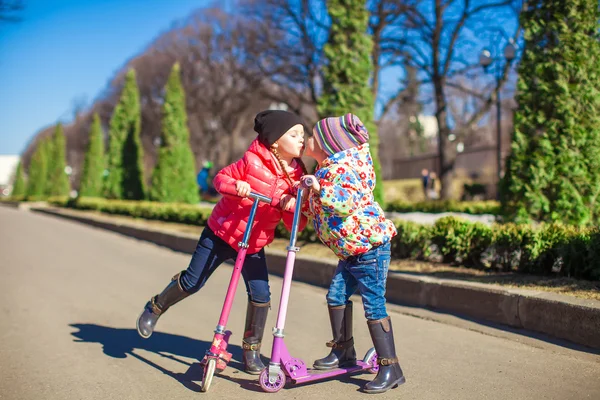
(282, 365)
(217, 356)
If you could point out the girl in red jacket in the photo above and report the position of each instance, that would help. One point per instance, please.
(271, 166)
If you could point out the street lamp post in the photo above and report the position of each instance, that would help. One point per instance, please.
(485, 60)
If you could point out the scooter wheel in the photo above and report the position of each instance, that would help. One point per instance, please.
(371, 359)
(271, 387)
(207, 376)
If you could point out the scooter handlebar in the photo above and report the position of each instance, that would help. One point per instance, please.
(259, 197)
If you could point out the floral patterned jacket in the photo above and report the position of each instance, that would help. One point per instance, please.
(345, 215)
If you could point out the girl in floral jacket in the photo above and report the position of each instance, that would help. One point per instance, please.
(271, 166)
(350, 222)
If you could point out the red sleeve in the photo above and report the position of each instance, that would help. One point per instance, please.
(226, 178)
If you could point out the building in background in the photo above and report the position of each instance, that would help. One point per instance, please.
(8, 168)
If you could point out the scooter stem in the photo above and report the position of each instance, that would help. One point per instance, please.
(287, 276)
(239, 263)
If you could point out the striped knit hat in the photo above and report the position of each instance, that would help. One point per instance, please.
(340, 133)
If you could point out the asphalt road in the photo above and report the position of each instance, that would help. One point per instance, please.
(70, 295)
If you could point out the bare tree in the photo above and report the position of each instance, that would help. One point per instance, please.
(224, 89)
(292, 36)
(288, 51)
(224, 86)
(440, 39)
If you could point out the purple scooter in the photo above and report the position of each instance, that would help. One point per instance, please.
(282, 365)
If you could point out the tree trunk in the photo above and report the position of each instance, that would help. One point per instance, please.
(446, 148)
(447, 161)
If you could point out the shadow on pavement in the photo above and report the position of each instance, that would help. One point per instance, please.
(122, 342)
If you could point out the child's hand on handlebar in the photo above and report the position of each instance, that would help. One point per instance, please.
(242, 188)
(311, 182)
(287, 202)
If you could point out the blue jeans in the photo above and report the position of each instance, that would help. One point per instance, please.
(212, 251)
(367, 273)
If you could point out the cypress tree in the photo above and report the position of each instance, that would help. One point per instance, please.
(38, 170)
(93, 164)
(173, 179)
(19, 185)
(125, 153)
(553, 173)
(58, 180)
(347, 84)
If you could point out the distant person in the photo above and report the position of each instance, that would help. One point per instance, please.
(203, 176)
(425, 181)
(433, 194)
(203, 179)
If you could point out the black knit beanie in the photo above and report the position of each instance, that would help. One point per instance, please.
(273, 124)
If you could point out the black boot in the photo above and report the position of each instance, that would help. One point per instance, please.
(256, 318)
(172, 294)
(390, 374)
(342, 346)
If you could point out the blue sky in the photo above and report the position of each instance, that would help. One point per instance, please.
(64, 50)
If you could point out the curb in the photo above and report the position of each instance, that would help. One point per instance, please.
(560, 316)
(23, 205)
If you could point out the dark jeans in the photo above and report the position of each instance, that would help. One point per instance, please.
(211, 252)
(367, 273)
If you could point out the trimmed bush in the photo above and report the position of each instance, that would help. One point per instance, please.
(507, 246)
(167, 212)
(411, 241)
(436, 207)
(550, 249)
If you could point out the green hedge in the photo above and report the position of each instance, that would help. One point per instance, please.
(467, 207)
(168, 212)
(24, 198)
(547, 249)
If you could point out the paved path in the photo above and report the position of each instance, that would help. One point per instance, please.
(70, 294)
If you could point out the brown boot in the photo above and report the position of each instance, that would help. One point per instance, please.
(172, 294)
(256, 318)
(342, 346)
(390, 374)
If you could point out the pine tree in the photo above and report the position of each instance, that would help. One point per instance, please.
(173, 179)
(553, 172)
(19, 186)
(125, 153)
(347, 85)
(58, 180)
(38, 170)
(93, 164)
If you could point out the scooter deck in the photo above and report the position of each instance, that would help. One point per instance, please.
(317, 374)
